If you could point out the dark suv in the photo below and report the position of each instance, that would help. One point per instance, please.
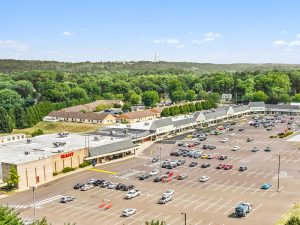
(206, 146)
(127, 187)
(98, 182)
(120, 186)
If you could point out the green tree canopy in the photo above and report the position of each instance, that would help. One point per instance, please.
(202, 95)
(191, 95)
(198, 106)
(178, 96)
(285, 98)
(198, 87)
(134, 99)
(192, 107)
(108, 96)
(260, 96)
(215, 96)
(77, 93)
(13, 177)
(6, 124)
(126, 107)
(128, 95)
(150, 98)
(8, 98)
(296, 98)
(165, 112)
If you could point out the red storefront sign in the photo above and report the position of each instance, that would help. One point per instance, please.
(67, 155)
(198, 121)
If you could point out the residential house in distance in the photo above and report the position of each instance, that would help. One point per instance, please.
(226, 97)
(79, 117)
(137, 116)
(90, 106)
(76, 108)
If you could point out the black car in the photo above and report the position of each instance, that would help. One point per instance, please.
(120, 186)
(200, 129)
(223, 157)
(157, 179)
(78, 186)
(231, 129)
(155, 159)
(180, 144)
(241, 129)
(290, 122)
(205, 165)
(206, 146)
(193, 164)
(107, 110)
(178, 153)
(242, 168)
(172, 153)
(127, 187)
(268, 149)
(171, 166)
(144, 177)
(98, 182)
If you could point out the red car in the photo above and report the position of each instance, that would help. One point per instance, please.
(292, 118)
(191, 145)
(170, 173)
(281, 134)
(222, 128)
(220, 166)
(228, 166)
(283, 121)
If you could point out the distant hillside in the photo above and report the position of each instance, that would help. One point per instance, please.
(9, 66)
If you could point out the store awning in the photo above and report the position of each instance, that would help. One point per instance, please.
(112, 153)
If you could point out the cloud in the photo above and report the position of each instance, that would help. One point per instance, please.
(212, 54)
(280, 43)
(298, 35)
(52, 52)
(67, 33)
(84, 29)
(103, 49)
(208, 39)
(283, 31)
(180, 46)
(196, 41)
(10, 44)
(191, 32)
(294, 43)
(172, 41)
(159, 41)
(212, 35)
(289, 50)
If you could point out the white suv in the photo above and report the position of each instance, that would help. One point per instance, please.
(235, 148)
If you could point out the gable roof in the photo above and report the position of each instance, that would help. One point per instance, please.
(282, 106)
(163, 122)
(257, 104)
(94, 104)
(76, 108)
(80, 115)
(136, 114)
(111, 147)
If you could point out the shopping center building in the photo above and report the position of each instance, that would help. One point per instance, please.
(36, 159)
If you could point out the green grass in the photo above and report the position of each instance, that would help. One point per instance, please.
(294, 211)
(226, 102)
(55, 127)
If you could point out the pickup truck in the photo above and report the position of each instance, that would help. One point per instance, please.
(132, 194)
(242, 209)
(164, 200)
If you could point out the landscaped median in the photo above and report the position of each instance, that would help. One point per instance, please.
(282, 136)
(68, 169)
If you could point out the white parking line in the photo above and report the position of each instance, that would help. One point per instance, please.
(129, 217)
(198, 222)
(252, 172)
(101, 214)
(184, 201)
(239, 187)
(276, 191)
(213, 204)
(248, 188)
(222, 206)
(267, 191)
(269, 173)
(203, 203)
(230, 186)
(254, 210)
(222, 185)
(213, 184)
(289, 160)
(260, 173)
(193, 202)
(230, 209)
(175, 220)
(139, 218)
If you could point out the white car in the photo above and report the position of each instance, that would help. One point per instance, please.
(128, 212)
(235, 148)
(167, 160)
(91, 181)
(29, 221)
(222, 131)
(204, 178)
(87, 187)
(210, 156)
(154, 172)
(132, 194)
(224, 140)
(167, 193)
(231, 134)
(112, 185)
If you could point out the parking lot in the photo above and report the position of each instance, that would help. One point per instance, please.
(211, 202)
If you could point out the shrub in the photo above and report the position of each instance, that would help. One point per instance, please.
(54, 174)
(293, 221)
(207, 131)
(234, 123)
(89, 163)
(81, 165)
(117, 105)
(165, 137)
(281, 136)
(67, 169)
(37, 132)
(124, 122)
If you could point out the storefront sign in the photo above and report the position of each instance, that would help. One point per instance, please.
(67, 155)
(268, 109)
(258, 109)
(198, 121)
(202, 121)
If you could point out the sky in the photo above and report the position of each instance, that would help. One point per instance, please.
(214, 31)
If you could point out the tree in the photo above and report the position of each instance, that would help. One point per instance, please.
(176, 110)
(126, 107)
(137, 90)
(8, 98)
(29, 101)
(198, 106)
(150, 98)
(6, 124)
(24, 88)
(8, 216)
(77, 93)
(13, 177)
(37, 132)
(202, 95)
(296, 98)
(173, 86)
(165, 112)
(215, 96)
(208, 105)
(293, 221)
(260, 96)
(285, 98)
(134, 99)
(12, 117)
(198, 87)
(128, 95)
(120, 97)
(31, 119)
(191, 95)
(91, 88)
(212, 103)
(192, 107)
(108, 96)
(247, 97)
(178, 96)
(273, 98)
(157, 222)
(172, 111)
(84, 111)
(20, 117)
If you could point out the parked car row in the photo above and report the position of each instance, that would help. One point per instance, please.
(104, 184)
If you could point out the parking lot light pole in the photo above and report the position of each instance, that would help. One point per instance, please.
(278, 190)
(184, 218)
(34, 187)
(160, 147)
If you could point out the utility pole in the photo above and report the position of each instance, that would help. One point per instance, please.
(184, 218)
(160, 147)
(34, 187)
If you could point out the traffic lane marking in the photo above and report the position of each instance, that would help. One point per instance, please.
(276, 192)
(203, 203)
(213, 204)
(222, 206)
(252, 211)
(103, 171)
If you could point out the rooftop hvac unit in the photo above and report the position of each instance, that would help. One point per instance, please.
(96, 138)
(31, 140)
(63, 134)
(125, 131)
(59, 144)
(27, 153)
(112, 132)
(59, 151)
(112, 139)
(146, 123)
(128, 125)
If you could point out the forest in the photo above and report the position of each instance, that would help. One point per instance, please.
(27, 96)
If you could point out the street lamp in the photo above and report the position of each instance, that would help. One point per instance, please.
(160, 147)
(184, 218)
(33, 188)
(278, 190)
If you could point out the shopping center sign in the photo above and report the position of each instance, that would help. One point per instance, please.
(67, 155)
(258, 109)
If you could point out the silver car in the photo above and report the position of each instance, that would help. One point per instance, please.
(128, 212)
(29, 221)
(66, 199)
(87, 187)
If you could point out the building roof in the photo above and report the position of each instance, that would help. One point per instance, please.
(80, 115)
(136, 114)
(240, 108)
(159, 109)
(297, 107)
(163, 122)
(94, 104)
(183, 121)
(76, 108)
(111, 147)
(257, 104)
